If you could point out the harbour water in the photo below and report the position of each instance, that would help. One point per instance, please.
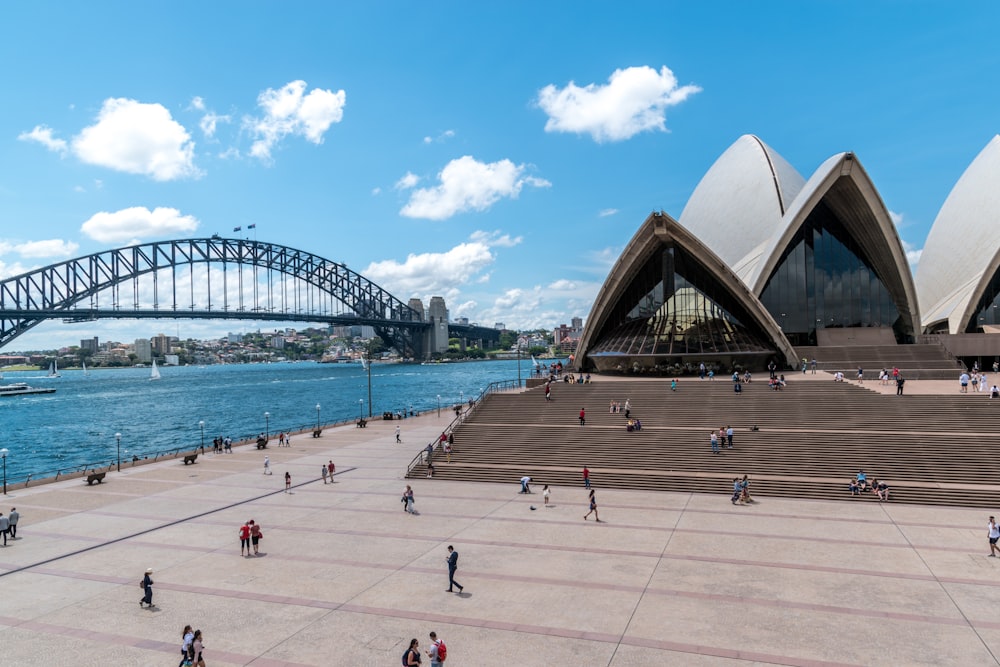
(77, 424)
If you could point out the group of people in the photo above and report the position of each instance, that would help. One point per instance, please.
(328, 469)
(220, 445)
(977, 380)
(8, 524)
(741, 491)
(616, 408)
(776, 383)
(723, 438)
(192, 648)
(860, 484)
(284, 439)
(437, 652)
(250, 536)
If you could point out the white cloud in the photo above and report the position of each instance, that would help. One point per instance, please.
(447, 134)
(137, 138)
(634, 100)
(197, 103)
(495, 239)
(9, 270)
(43, 135)
(897, 218)
(376, 191)
(137, 222)
(912, 252)
(467, 184)
(607, 212)
(47, 248)
(209, 123)
(289, 111)
(562, 284)
(408, 181)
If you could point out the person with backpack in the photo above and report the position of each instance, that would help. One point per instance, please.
(411, 657)
(438, 652)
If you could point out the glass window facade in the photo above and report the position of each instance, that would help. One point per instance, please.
(674, 307)
(986, 309)
(824, 280)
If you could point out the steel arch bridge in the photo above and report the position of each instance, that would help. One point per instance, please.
(208, 278)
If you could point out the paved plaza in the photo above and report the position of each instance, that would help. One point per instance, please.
(346, 577)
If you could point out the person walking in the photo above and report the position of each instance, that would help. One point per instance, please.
(267, 465)
(4, 527)
(729, 437)
(245, 539)
(548, 392)
(583, 416)
(14, 518)
(586, 477)
(197, 646)
(255, 535)
(714, 439)
(322, 471)
(546, 494)
(330, 468)
(994, 535)
(398, 439)
(147, 588)
(188, 635)
(288, 481)
(452, 566)
(408, 500)
(593, 508)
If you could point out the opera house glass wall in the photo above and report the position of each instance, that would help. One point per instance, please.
(675, 308)
(986, 309)
(824, 280)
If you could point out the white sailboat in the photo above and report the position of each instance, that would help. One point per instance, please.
(85, 371)
(364, 363)
(54, 370)
(154, 374)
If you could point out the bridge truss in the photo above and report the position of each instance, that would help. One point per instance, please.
(209, 278)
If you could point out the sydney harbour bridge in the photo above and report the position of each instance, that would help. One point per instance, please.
(210, 278)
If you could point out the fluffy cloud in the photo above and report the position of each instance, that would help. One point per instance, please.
(447, 134)
(633, 101)
(137, 222)
(604, 213)
(43, 135)
(47, 248)
(439, 274)
(290, 111)
(210, 121)
(408, 181)
(469, 185)
(137, 138)
(912, 252)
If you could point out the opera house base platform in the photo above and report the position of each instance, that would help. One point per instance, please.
(344, 577)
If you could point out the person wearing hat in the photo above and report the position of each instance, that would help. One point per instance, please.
(147, 586)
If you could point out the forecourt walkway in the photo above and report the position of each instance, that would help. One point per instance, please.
(347, 578)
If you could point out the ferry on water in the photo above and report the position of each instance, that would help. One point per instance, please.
(22, 389)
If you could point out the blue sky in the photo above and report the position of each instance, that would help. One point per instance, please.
(498, 154)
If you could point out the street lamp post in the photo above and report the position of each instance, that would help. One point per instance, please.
(369, 379)
(118, 439)
(267, 426)
(461, 398)
(361, 408)
(317, 416)
(439, 405)
(3, 455)
(201, 425)
(518, 345)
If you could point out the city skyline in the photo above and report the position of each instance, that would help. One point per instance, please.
(500, 157)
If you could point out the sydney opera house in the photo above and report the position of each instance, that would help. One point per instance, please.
(765, 265)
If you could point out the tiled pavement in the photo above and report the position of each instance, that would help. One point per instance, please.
(346, 578)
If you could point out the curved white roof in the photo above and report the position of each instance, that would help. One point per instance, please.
(962, 243)
(738, 205)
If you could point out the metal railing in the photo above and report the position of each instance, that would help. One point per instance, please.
(460, 416)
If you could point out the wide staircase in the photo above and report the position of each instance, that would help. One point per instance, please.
(916, 362)
(812, 438)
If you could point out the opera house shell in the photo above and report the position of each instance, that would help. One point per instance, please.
(959, 271)
(761, 261)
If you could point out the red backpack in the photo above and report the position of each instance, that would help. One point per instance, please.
(442, 650)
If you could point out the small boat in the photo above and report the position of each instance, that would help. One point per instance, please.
(22, 389)
(54, 370)
(154, 374)
(85, 371)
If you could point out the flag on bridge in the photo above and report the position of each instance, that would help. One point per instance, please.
(236, 229)
(253, 226)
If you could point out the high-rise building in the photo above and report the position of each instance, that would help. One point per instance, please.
(143, 350)
(161, 344)
(90, 345)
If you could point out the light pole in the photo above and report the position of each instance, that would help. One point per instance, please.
(267, 426)
(317, 416)
(3, 455)
(118, 439)
(370, 378)
(518, 344)
(361, 408)
(201, 425)
(439, 405)
(461, 398)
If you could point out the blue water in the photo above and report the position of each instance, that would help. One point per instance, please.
(77, 424)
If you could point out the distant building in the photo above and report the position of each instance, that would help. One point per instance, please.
(499, 326)
(160, 344)
(171, 360)
(464, 321)
(278, 342)
(90, 345)
(234, 337)
(143, 350)
(437, 313)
